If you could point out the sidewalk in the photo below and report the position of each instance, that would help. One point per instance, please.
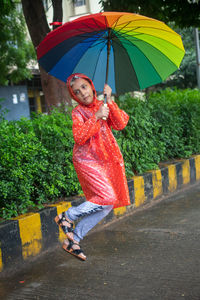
(29, 235)
(152, 254)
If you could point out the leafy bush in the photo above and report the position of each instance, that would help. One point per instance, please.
(3, 111)
(178, 113)
(35, 162)
(137, 141)
(164, 126)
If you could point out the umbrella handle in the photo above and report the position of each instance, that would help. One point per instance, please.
(105, 104)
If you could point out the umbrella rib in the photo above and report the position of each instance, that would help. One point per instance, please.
(148, 27)
(106, 22)
(139, 20)
(88, 35)
(97, 24)
(97, 62)
(113, 28)
(126, 24)
(116, 23)
(91, 46)
(99, 35)
(125, 33)
(103, 41)
(85, 36)
(132, 37)
(122, 27)
(133, 45)
(90, 27)
(100, 41)
(128, 42)
(127, 56)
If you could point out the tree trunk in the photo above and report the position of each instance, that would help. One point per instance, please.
(57, 12)
(55, 91)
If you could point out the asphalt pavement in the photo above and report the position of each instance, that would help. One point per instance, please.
(154, 253)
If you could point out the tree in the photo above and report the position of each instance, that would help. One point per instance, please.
(184, 13)
(16, 51)
(184, 77)
(55, 90)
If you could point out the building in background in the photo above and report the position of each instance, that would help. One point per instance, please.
(33, 100)
(73, 9)
(15, 103)
(78, 8)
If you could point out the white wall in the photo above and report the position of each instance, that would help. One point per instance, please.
(95, 7)
(70, 12)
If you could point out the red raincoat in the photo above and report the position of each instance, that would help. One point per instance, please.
(96, 156)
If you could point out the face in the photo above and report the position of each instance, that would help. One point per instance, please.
(83, 91)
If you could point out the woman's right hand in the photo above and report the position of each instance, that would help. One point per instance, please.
(103, 112)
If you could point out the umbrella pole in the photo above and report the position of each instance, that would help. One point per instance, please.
(107, 63)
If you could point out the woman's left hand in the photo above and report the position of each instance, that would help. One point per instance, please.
(107, 91)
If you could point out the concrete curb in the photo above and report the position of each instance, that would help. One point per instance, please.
(28, 235)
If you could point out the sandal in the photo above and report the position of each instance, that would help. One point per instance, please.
(76, 252)
(67, 229)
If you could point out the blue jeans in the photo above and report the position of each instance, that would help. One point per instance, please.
(91, 215)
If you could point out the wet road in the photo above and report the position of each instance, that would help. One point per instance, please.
(149, 255)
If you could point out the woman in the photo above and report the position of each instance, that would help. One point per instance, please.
(97, 160)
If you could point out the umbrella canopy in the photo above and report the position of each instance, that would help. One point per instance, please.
(128, 51)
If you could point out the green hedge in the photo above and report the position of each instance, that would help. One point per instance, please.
(164, 126)
(36, 162)
(36, 155)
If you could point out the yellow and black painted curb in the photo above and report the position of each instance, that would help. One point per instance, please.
(28, 235)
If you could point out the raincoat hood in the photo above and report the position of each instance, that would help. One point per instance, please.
(80, 75)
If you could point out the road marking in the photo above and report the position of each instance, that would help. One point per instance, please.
(172, 178)
(139, 190)
(197, 165)
(31, 234)
(119, 210)
(157, 183)
(186, 171)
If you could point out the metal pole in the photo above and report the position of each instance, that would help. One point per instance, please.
(196, 33)
(107, 63)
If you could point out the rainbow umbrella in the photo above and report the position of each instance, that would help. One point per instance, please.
(128, 51)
